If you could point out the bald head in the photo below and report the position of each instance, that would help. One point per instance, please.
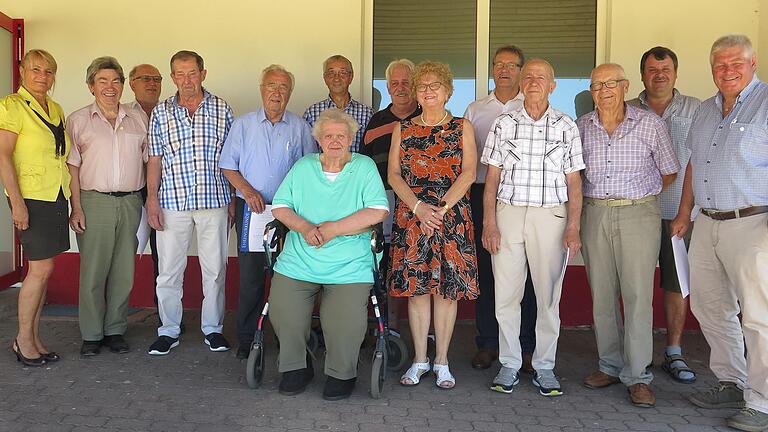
(612, 68)
(537, 82)
(539, 64)
(609, 86)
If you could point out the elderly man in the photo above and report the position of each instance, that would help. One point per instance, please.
(377, 138)
(506, 97)
(186, 135)
(107, 168)
(629, 158)
(727, 176)
(658, 69)
(534, 162)
(260, 149)
(338, 74)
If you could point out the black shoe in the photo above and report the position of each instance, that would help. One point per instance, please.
(296, 381)
(116, 344)
(163, 345)
(32, 362)
(337, 389)
(90, 348)
(243, 351)
(216, 342)
(51, 357)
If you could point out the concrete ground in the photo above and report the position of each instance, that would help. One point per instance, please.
(194, 389)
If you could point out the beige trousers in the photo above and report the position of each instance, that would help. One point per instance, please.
(532, 236)
(729, 267)
(620, 246)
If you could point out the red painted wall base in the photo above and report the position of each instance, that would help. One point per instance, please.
(575, 304)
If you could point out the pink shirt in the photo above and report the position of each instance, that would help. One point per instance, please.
(111, 159)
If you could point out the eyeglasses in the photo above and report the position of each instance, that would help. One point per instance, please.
(148, 78)
(334, 74)
(597, 85)
(508, 65)
(435, 86)
(282, 88)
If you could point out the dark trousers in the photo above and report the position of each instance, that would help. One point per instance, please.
(485, 314)
(250, 294)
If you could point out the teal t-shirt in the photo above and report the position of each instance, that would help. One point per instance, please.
(306, 190)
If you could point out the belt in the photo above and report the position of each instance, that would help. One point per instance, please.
(735, 214)
(619, 202)
(117, 194)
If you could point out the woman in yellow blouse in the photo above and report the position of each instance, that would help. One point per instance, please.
(33, 168)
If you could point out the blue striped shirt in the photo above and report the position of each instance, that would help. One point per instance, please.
(360, 112)
(729, 156)
(190, 148)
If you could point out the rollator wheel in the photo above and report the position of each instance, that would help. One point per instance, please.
(254, 371)
(378, 373)
(397, 353)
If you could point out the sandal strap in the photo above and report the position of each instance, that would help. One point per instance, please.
(443, 374)
(669, 359)
(415, 372)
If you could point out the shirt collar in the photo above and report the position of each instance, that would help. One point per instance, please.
(743, 95)
(261, 116)
(121, 112)
(643, 97)
(523, 112)
(492, 97)
(630, 113)
(332, 104)
(27, 96)
(203, 103)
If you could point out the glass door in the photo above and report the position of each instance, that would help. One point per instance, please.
(11, 48)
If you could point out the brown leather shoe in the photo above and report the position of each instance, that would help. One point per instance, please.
(641, 395)
(599, 379)
(484, 358)
(527, 366)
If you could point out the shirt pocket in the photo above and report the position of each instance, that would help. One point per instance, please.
(750, 140)
(680, 128)
(553, 155)
(30, 177)
(510, 153)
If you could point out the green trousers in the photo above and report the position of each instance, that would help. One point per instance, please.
(107, 252)
(343, 316)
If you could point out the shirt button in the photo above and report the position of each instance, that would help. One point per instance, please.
(621, 136)
(705, 180)
(707, 161)
(707, 199)
(609, 161)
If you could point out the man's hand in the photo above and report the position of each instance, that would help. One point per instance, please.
(255, 201)
(231, 212)
(572, 241)
(679, 226)
(154, 213)
(491, 238)
(77, 221)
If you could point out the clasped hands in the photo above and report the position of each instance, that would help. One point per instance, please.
(319, 235)
(431, 217)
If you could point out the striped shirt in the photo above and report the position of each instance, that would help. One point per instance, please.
(190, 148)
(629, 163)
(678, 116)
(729, 156)
(534, 156)
(360, 112)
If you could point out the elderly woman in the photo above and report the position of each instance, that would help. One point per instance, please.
(33, 153)
(107, 168)
(431, 168)
(329, 201)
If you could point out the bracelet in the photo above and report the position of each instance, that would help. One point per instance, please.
(415, 206)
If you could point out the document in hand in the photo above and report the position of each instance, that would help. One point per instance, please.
(681, 264)
(557, 288)
(142, 234)
(252, 238)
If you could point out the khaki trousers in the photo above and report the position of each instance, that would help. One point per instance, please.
(729, 267)
(620, 246)
(532, 236)
(343, 317)
(107, 251)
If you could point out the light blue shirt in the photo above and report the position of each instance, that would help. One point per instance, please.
(264, 152)
(310, 194)
(729, 156)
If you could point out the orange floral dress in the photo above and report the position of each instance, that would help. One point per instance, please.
(445, 263)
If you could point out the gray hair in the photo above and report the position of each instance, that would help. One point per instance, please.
(102, 63)
(399, 63)
(334, 115)
(277, 68)
(731, 41)
(337, 57)
(613, 65)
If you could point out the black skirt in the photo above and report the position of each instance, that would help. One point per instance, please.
(48, 232)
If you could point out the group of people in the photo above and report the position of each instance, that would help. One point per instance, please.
(486, 207)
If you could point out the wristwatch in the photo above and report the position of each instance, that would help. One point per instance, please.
(445, 205)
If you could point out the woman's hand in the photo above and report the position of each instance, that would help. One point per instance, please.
(430, 215)
(20, 216)
(77, 221)
(313, 236)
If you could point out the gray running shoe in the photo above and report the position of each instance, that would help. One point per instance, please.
(749, 419)
(505, 380)
(547, 383)
(724, 395)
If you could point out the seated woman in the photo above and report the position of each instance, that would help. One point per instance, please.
(329, 201)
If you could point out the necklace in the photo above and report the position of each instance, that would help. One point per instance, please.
(433, 125)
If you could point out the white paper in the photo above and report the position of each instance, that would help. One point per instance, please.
(389, 220)
(681, 264)
(557, 288)
(253, 229)
(142, 234)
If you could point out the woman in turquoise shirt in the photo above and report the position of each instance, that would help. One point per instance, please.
(329, 201)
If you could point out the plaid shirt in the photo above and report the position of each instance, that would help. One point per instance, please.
(360, 112)
(191, 148)
(534, 156)
(628, 164)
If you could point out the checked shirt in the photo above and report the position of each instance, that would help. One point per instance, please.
(360, 112)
